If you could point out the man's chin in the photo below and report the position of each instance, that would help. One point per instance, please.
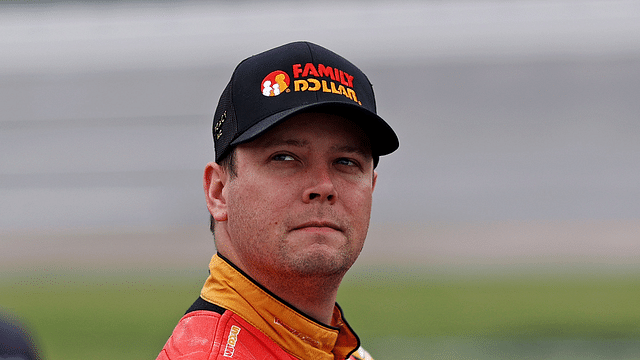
(322, 261)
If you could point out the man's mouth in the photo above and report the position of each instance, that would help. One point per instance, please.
(318, 225)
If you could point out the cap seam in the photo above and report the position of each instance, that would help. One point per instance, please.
(316, 95)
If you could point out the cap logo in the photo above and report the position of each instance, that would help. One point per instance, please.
(275, 83)
(310, 78)
(217, 129)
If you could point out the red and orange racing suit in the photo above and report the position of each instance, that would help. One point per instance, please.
(236, 318)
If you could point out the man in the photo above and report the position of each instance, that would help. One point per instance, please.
(296, 140)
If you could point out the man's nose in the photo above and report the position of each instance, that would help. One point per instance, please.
(321, 187)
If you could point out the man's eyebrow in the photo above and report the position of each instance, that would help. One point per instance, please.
(352, 149)
(290, 142)
(302, 143)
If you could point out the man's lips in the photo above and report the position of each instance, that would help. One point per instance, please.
(318, 225)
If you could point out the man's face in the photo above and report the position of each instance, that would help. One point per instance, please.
(301, 200)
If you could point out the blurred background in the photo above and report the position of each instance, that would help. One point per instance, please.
(519, 158)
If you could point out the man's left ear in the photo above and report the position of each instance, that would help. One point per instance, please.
(213, 182)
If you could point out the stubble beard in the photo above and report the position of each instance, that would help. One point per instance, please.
(323, 263)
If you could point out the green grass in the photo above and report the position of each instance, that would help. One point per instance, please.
(524, 306)
(129, 315)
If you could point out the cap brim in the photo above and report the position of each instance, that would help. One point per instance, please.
(381, 136)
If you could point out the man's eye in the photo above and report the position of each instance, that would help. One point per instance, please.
(283, 157)
(346, 162)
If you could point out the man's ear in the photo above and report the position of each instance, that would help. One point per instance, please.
(213, 182)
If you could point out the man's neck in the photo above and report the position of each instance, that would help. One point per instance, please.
(314, 296)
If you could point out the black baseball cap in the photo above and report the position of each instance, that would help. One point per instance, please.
(270, 87)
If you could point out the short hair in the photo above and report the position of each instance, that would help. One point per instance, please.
(228, 163)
